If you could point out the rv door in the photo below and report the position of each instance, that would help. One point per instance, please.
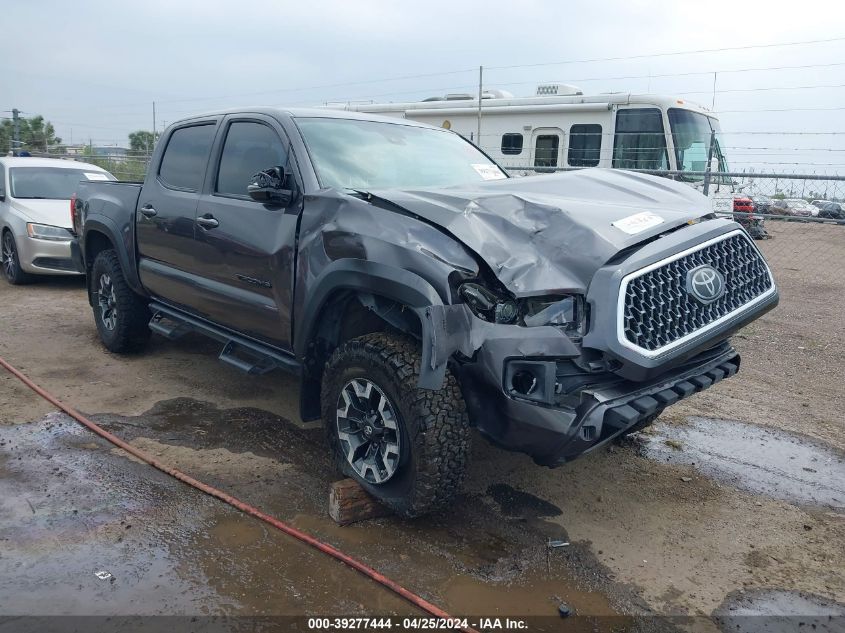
(546, 144)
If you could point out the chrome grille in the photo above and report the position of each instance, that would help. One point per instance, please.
(658, 310)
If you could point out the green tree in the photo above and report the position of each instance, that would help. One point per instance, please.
(36, 135)
(6, 135)
(141, 142)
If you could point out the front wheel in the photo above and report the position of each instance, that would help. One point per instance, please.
(12, 270)
(122, 317)
(408, 447)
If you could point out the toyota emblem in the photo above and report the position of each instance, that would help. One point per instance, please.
(705, 283)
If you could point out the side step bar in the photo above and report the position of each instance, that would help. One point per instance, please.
(238, 351)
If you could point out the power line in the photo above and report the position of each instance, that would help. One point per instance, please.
(365, 98)
(456, 72)
(763, 89)
(669, 54)
(507, 83)
(684, 74)
(785, 110)
(305, 88)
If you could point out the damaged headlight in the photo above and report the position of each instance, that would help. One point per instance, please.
(487, 305)
(567, 312)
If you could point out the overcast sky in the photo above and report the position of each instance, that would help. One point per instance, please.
(94, 68)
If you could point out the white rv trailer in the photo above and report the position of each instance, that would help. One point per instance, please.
(561, 128)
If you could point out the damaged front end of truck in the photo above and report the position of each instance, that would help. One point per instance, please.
(568, 320)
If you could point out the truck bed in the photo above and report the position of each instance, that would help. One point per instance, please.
(111, 204)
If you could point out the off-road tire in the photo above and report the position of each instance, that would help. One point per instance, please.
(434, 426)
(14, 274)
(130, 331)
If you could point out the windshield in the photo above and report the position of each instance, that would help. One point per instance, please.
(352, 154)
(691, 135)
(51, 183)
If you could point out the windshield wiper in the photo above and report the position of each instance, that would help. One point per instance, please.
(358, 193)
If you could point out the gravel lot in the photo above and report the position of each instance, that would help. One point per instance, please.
(664, 524)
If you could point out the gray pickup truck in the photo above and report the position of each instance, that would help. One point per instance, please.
(417, 290)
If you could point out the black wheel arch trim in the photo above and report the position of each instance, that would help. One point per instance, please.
(96, 223)
(396, 284)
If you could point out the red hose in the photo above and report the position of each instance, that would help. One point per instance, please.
(236, 503)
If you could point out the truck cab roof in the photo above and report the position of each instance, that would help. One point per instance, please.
(296, 113)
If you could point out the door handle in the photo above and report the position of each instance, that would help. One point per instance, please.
(149, 211)
(207, 221)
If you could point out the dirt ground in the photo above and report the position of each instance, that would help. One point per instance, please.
(668, 523)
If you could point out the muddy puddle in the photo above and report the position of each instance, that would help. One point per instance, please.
(777, 611)
(70, 511)
(72, 506)
(765, 461)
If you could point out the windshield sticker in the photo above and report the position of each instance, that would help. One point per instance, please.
(489, 172)
(94, 175)
(638, 223)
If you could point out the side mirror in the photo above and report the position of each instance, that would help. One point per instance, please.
(2, 195)
(269, 187)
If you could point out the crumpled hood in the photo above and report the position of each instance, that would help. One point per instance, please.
(52, 212)
(550, 233)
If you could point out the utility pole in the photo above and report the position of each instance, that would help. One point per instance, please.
(478, 131)
(16, 120)
(713, 102)
(154, 123)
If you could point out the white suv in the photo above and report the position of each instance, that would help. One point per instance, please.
(35, 219)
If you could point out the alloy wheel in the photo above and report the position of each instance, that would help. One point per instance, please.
(368, 431)
(9, 265)
(107, 300)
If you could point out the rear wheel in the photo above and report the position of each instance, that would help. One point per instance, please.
(12, 270)
(121, 316)
(408, 447)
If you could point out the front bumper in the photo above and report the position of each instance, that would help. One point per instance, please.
(553, 435)
(556, 404)
(45, 257)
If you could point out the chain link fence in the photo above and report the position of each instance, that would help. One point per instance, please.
(129, 166)
(791, 197)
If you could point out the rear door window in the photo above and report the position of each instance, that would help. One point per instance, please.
(185, 158)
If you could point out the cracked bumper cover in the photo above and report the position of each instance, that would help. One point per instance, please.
(605, 389)
(553, 435)
(558, 427)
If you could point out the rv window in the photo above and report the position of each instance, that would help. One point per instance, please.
(691, 132)
(639, 142)
(545, 151)
(511, 143)
(584, 145)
